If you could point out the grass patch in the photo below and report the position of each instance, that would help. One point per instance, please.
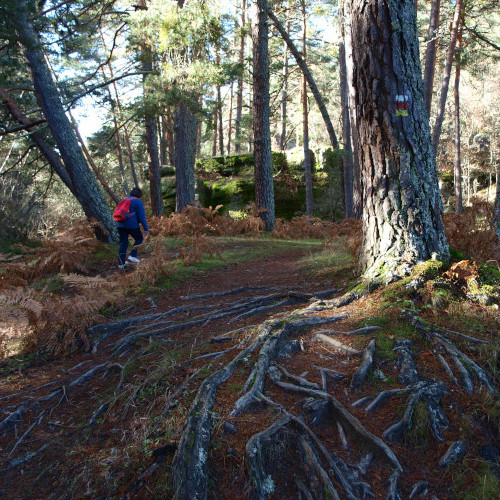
(474, 479)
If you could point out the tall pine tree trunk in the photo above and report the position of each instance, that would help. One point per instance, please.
(346, 132)
(264, 188)
(185, 132)
(447, 73)
(305, 122)
(151, 133)
(402, 216)
(86, 189)
(284, 93)
(239, 90)
(230, 120)
(458, 161)
(496, 216)
(357, 195)
(430, 54)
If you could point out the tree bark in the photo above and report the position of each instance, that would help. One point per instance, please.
(310, 80)
(264, 188)
(85, 186)
(447, 73)
(496, 217)
(239, 91)
(284, 93)
(402, 216)
(430, 54)
(157, 207)
(230, 121)
(357, 195)
(346, 132)
(458, 164)
(185, 128)
(305, 121)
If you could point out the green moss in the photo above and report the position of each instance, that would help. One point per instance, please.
(429, 269)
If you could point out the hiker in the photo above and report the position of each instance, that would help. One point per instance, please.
(128, 224)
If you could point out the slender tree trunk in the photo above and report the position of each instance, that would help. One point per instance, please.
(151, 132)
(86, 189)
(163, 142)
(430, 54)
(91, 162)
(215, 129)
(185, 155)
(310, 80)
(357, 195)
(284, 93)
(119, 152)
(230, 121)
(305, 122)
(496, 217)
(239, 91)
(447, 73)
(458, 161)
(221, 125)
(402, 217)
(120, 118)
(346, 132)
(264, 188)
(170, 137)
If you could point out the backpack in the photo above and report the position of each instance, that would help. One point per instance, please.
(122, 210)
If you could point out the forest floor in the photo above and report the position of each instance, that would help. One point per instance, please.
(264, 378)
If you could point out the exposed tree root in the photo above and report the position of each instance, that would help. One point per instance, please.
(359, 377)
(337, 345)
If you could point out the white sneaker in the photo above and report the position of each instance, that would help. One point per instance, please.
(134, 259)
(122, 266)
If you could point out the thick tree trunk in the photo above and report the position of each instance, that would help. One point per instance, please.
(151, 133)
(264, 188)
(305, 122)
(430, 54)
(170, 137)
(185, 154)
(357, 195)
(402, 217)
(239, 91)
(86, 189)
(346, 132)
(310, 80)
(447, 73)
(458, 161)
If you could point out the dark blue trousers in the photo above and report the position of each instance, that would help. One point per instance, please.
(124, 233)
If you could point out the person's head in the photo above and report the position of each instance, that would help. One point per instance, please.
(136, 193)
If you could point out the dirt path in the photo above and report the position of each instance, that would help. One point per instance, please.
(249, 381)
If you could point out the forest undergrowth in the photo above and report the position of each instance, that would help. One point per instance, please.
(230, 364)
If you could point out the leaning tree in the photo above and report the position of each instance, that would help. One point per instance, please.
(402, 208)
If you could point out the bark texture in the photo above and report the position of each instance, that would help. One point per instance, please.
(185, 132)
(402, 217)
(85, 186)
(458, 155)
(264, 188)
(239, 90)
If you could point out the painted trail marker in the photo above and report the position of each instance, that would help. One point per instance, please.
(402, 105)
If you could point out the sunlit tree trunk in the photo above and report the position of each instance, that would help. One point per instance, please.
(264, 188)
(346, 132)
(496, 217)
(402, 216)
(230, 120)
(239, 91)
(305, 121)
(430, 54)
(86, 189)
(357, 195)
(447, 73)
(458, 161)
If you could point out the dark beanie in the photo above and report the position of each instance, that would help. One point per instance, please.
(136, 192)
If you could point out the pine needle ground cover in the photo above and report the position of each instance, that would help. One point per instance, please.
(237, 366)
